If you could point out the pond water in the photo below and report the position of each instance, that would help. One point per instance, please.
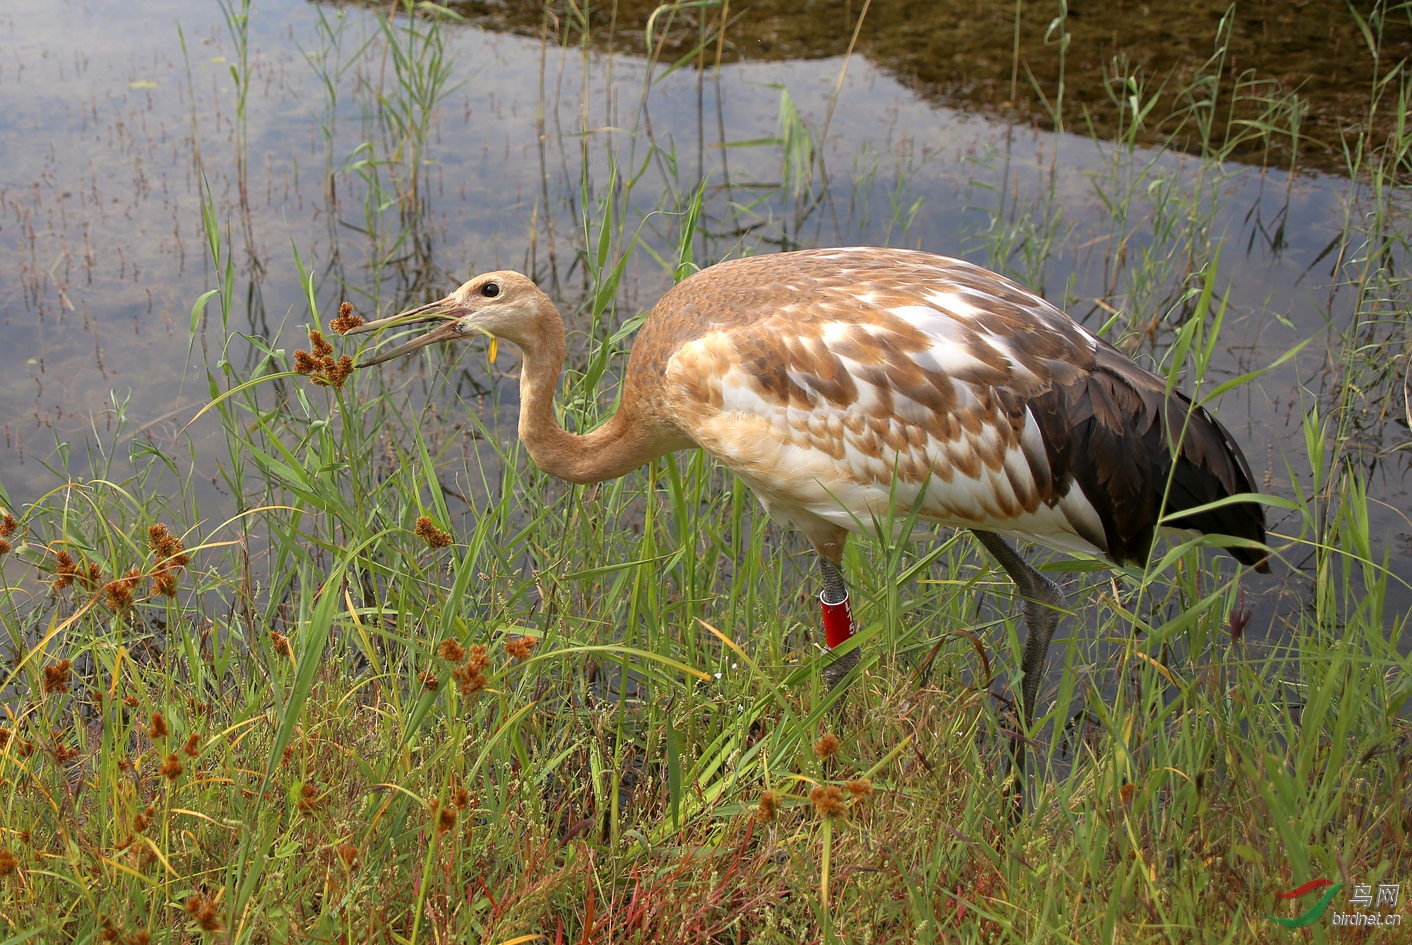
(114, 117)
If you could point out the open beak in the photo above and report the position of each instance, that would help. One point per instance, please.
(445, 311)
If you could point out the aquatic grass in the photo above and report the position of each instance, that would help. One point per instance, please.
(558, 757)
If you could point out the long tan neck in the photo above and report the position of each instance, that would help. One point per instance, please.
(614, 449)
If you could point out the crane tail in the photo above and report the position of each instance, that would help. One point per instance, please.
(1138, 452)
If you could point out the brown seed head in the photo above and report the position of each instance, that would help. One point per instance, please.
(158, 535)
(309, 798)
(164, 582)
(521, 648)
(90, 576)
(860, 789)
(470, 676)
(428, 532)
(827, 746)
(65, 570)
(117, 594)
(8, 524)
(320, 364)
(346, 320)
(56, 677)
(468, 681)
(769, 807)
(11, 739)
(205, 912)
(451, 650)
(445, 818)
(349, 855)
(167, 546)
(8, 861)
(428, 680)
(338, 372)
(281, 643)
(827, 801)
(193, 745)
(171, 768)
(158, 729)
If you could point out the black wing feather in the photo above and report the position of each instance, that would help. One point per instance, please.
(1109, 432)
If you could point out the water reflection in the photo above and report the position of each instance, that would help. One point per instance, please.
(1293, 79)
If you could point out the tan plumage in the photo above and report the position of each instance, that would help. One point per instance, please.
(834, 381)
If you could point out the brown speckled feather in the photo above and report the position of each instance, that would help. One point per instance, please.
(835, 381)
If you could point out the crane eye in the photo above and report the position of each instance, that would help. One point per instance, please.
(490, 290)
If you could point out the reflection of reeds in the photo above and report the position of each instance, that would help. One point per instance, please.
(415, 42)
(399, 109)
(238, 29)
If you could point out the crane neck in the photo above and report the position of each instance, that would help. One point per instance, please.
(612, 450)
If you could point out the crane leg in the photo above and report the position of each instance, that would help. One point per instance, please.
(838, 622)
(1042, 596)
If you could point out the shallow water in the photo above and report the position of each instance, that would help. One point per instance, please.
(108, 130)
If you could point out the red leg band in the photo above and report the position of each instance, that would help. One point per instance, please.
(838, 622)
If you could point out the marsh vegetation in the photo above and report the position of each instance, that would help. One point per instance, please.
(334, 662)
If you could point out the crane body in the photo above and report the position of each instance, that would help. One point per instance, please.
(838, 382)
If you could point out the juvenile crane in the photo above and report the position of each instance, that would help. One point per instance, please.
(836, 381)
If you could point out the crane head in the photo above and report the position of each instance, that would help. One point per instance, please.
(498, 304)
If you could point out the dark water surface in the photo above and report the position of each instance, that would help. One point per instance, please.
(1003, 59)
(109, 126)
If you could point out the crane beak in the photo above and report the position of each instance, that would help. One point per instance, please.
(446, 312)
